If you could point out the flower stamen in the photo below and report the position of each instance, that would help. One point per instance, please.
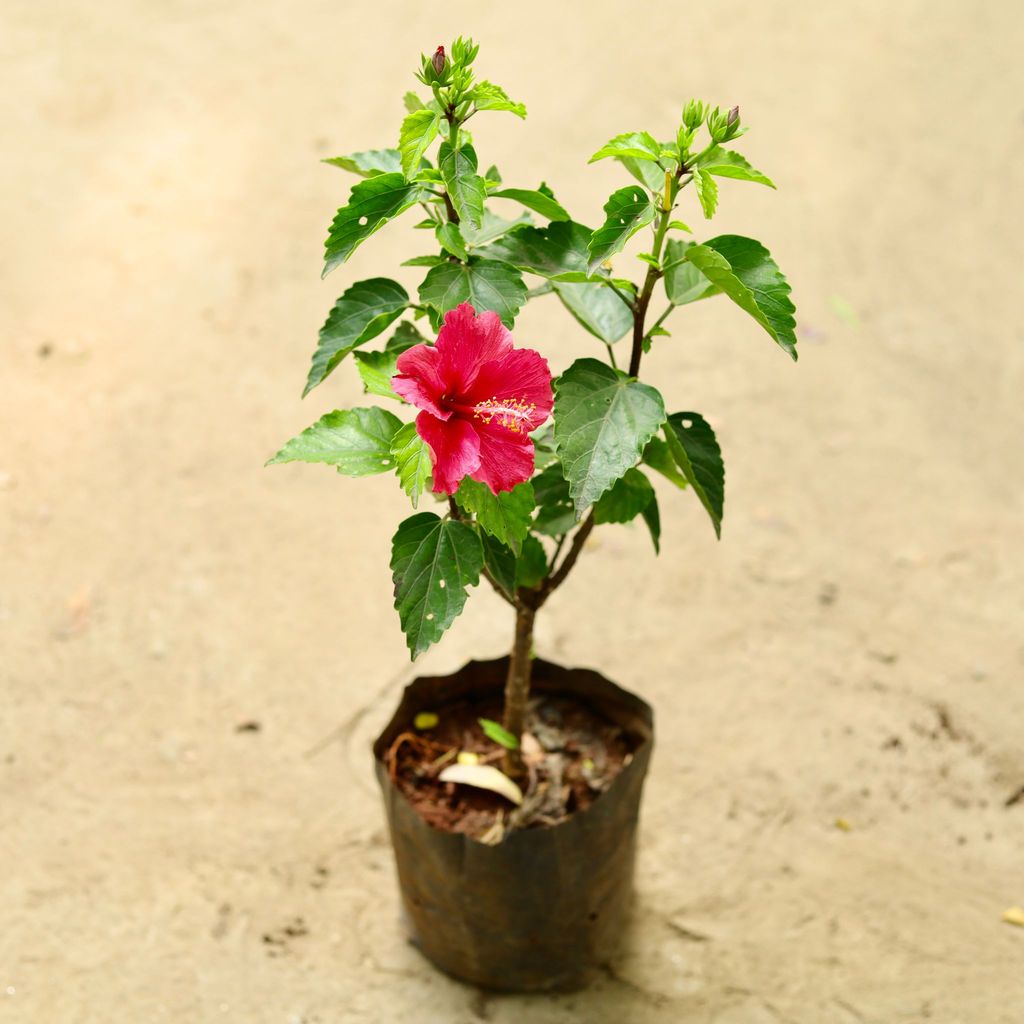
(510, 413)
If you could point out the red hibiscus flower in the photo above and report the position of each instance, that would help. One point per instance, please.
(479, 397)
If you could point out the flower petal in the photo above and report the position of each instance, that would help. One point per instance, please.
(515, 388)
(455, 448)
(465, 342)
(419, 379)
(506, 457)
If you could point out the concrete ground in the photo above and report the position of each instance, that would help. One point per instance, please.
(839, 682)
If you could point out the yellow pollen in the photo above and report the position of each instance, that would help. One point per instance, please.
(511, 413)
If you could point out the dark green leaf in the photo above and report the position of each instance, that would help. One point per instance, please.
(377, 368)
(694, 447)
(419, 129)
(534, 200)
(465, 187)
(369, 163)
(555, 512)
(557, 252)
(658, 456)
(635, 145)
(425, 261)
(484, 283)
(707, 192)
(491, 227)
(652, 517)
(625, 500)
(505, 516)
(724, 163)
(627, 211)
(684, 283)
(501, 563)
(412, 462)
(371, 204)
(433, 561)
(488, 96)
(499, 734)
(532, 564)
(357, 441)
(597, 308)
(746, 272)
(603, 421)
(366, 309)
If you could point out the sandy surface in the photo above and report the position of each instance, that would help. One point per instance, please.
(851, 650)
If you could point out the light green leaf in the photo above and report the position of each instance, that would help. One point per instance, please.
(635, 145)
(488, 96)
(597, 308)
(658, 456)
(369, 163)
(505, 516)
(746, 272)
(625, 500)
(357, 441)
(491, 227)
(684, 283)
(412, 102)
(535, 200)
(498, 733)
(707, 191)
(555, 512)
(627, 211)
(377, 368)
(418, 130)
(603, 421)
(725, 163)
(450, 239)
(412, 462)
(532, 564)
(371, 204)
(484, 283)
(363, 312)
(433, 560)
(649, 174)
(465, 187)
(694, 447)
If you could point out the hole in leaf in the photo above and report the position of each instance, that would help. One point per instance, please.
(440, 583)
(430, 617)
(687, 424)
(363, 221)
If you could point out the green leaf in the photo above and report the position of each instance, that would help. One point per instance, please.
(625, 500)
(488, 96)
(412, 102)
(450, 239)
(649, 174)
(658, 456)
(505, 516)
(357, 441)
(557, 252)
(652, 517)
(486, 284)
(534, 200)
(746, 272)
(377, 368)
(498, 733)
(363, 312)
(424, 261)
(603, 421)
(707, 191)
(412, 462)
(627, 210)
(724, 163)
(369, 163)
(684, 283)
(501, 563)
(532, 564)
(371, 204)
(491, 227)
(418, 130)
(695, 449)
(555, 512)
(598, 309)
(433, 560)
(465, 187)
(635, 145)
(493, 174)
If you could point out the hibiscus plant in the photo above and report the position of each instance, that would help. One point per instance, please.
(526, 466)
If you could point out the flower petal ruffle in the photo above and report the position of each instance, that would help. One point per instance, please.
(455, 447)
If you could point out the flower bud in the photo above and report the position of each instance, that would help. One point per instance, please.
(734, 118)
(438, 60)
(693, 114)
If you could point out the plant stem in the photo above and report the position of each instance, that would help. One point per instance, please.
(517, 687)
(644, 298)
